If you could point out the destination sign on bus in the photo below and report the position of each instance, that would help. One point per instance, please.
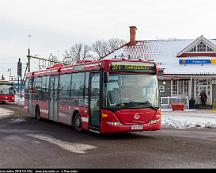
(133, 67)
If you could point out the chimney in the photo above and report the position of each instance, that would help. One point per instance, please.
(132, 35)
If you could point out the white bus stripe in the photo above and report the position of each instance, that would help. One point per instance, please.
(44, 111)
(84, 119)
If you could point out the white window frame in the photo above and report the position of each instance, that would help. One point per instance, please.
(181, 88)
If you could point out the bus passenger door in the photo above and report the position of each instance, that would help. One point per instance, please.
(29, 95)
(53, 98)
(94, 102)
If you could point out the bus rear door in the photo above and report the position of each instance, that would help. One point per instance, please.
(53, 98)
(94, 102)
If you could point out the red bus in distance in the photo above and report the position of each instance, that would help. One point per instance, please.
(106, 96)
(7, 91)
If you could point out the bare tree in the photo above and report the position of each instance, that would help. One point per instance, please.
(115, 43)
(103, 48)
(98, 50)
(77, 52)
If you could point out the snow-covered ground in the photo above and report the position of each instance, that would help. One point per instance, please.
(189, 119)
(178, 119)
(19, 100)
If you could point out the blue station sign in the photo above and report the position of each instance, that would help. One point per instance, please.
(196, 61)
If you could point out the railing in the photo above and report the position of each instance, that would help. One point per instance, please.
(167, 101)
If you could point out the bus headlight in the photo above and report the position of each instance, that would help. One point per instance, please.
(114, 123)
(154, 121)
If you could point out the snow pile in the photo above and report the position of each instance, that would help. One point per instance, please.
(18, 120)
(192, 119)
(5, 112)
(19, 100)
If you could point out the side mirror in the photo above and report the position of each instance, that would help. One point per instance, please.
(106, 77)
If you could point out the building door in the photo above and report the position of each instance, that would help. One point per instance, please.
(94, 102)
(203, 85)
(53, 98)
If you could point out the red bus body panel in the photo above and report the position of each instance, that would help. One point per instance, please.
(7, 98)
(129, 117)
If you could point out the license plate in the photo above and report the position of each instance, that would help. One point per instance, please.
(136, 127)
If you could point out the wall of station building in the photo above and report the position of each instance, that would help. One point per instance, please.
(165, 86)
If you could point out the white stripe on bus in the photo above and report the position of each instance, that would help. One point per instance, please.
(44, 111)
(63, 114)
(84, 119)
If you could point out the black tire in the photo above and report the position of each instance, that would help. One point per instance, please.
(77, 123)
(37, 113)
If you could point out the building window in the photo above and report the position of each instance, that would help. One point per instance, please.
(193, 50)
(180, 87)
(209, 49)
(201, 47)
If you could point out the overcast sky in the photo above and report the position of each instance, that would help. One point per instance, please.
(55, 25)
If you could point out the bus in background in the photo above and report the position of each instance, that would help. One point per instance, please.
(106, 96)
(7, 91)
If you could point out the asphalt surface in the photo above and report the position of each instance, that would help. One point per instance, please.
(28, 143)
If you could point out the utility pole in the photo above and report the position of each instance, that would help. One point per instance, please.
(44, 60)
(28, 63)
(19, 73)
(29, 53)
(9, 70)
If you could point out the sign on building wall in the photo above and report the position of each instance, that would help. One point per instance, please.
(197, 61)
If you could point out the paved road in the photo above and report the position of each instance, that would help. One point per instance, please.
(28, 143)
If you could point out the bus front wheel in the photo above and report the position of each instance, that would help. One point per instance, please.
(77, 122)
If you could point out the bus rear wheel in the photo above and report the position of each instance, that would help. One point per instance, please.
(77, 122)
(37, 113)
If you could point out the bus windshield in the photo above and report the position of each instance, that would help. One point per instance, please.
(132, 91)
(7, 89)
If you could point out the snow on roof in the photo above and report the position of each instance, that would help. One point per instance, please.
(164, 52)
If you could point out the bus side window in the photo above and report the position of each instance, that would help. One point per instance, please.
(77, 90)
(64, 86)
(37, 87)
(45, 86)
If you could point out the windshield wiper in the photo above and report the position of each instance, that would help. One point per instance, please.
(154, 107)
(146, 104)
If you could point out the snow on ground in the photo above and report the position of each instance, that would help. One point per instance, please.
(5, 112)
(19, 100)
(189, 119)
(18, 120)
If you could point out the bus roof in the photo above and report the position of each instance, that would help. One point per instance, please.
(84, 66)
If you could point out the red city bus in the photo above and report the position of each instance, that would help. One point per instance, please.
(7, 91)
(105, 96)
